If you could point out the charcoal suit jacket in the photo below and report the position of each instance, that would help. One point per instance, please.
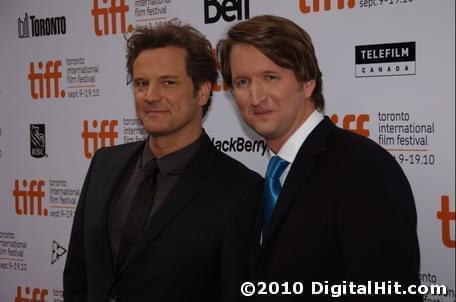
(194, 248)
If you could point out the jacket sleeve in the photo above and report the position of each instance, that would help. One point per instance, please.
(75, 274)
(237, 245)
(378, 233)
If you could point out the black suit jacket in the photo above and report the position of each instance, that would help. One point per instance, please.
(346, 212)
(195, 248)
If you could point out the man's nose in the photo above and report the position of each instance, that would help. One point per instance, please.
(153, 93)
(258, 92)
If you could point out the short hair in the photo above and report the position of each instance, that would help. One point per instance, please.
(283, 42)
(201, 64)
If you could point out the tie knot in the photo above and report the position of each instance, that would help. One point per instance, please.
(151, 167)
(276, 167)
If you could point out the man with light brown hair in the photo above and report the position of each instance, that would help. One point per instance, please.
(337, 207)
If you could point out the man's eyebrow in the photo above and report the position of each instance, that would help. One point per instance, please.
(169, 76)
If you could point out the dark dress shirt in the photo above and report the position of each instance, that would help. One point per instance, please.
(170, 168)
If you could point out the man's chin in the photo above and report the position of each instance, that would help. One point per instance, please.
(264, 132)
(155, 131)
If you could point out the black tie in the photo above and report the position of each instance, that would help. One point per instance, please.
(139, 212)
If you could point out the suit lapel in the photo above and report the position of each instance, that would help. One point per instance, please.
(300, 171)
(187, 187)
(113, 176)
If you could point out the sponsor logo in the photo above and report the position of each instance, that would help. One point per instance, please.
(316, 5)
(448, 219)
(110, 19)
(352, 122)
(40, 81)
(228, 10)
(391, 59)
(31, 294)
(240, 144)
(57, 251)
(93, 140)
(38, 140)
(32, 26)
(28, 198)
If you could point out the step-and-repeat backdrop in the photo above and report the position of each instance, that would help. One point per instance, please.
(388, 70)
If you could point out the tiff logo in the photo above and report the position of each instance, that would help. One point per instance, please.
(23, 27)
(40, 82)
(305, 8)
(29, 198)
(101, 16)
(93, 140)
(38, 295)
(353, 123)
(447, 216)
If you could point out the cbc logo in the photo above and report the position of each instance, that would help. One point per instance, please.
(353, 123)
(316, 5)
(102, 15)
(40, 81)
(28, 197)
(105, 134)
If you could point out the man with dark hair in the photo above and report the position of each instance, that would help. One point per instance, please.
(337, 207)
(165, 219)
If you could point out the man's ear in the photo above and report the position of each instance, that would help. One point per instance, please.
(309, 88)
(204, 93)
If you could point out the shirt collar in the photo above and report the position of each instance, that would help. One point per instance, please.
(291, 147)
(171, 162)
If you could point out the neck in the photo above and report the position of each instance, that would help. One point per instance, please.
(166, 144)
(276, 143)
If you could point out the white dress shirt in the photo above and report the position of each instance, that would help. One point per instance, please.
(291, 147)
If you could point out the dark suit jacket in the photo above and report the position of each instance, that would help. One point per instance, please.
(195, 247)
(346, 212)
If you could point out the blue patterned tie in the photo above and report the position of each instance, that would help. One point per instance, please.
(272, 186)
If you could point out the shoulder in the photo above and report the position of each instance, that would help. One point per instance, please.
(120, 148)
(224, 167)
(231, 167)
(353, 145)
(359, 155)
(345, 152)
(117, 153)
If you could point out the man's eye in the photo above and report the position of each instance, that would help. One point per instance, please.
(168, 83)
(270, 77)
(240, 83)
(139, 84)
